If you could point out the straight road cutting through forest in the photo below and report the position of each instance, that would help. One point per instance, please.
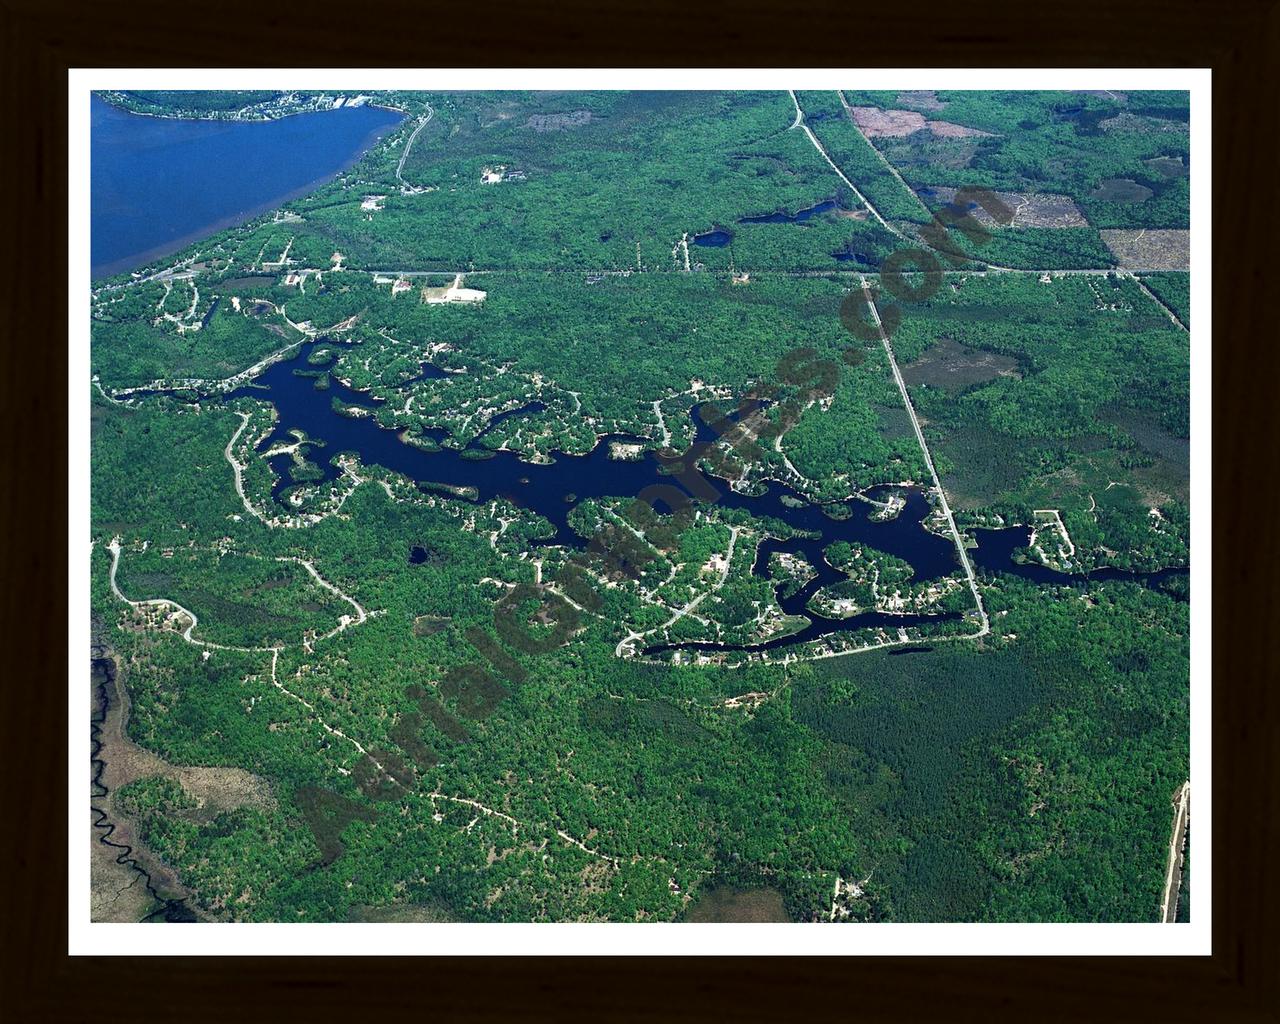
(928, 458)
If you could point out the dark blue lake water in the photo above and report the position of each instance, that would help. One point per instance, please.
(782, 217)
(718, 238)
(553, 490)
(159, 184)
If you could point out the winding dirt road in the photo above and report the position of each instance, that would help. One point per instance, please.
(344, 621)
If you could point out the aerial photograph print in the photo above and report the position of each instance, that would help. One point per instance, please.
(727, 505)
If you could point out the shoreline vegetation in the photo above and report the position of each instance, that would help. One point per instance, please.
(272, 107)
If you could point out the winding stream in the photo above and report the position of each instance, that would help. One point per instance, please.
(105, 691)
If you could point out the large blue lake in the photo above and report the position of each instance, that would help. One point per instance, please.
(159, 184)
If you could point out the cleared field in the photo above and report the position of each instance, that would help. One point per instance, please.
(1150, 249)
(877, 123)
(1030, 209)
(739, 905)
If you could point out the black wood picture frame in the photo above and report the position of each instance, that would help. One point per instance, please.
(1238, 39)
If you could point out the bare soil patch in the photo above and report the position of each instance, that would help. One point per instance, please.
(877, 123)
(1030, 209)
(1149, 248)
(925, 150)
(948, 130)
